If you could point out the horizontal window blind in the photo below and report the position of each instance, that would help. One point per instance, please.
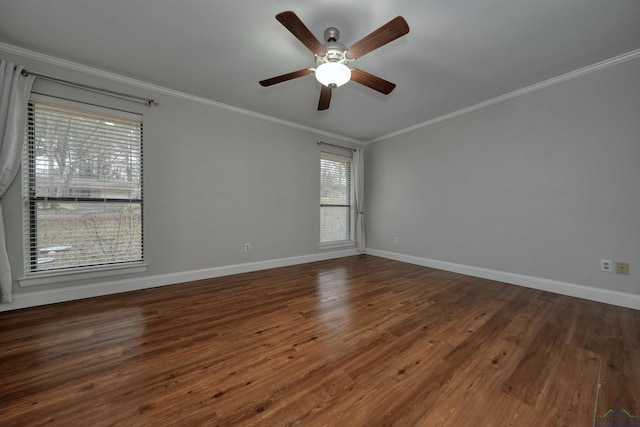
(83, 176)
(335, 198)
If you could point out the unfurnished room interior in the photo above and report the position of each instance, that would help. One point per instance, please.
(280, 213)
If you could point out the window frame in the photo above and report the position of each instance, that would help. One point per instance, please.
(347, 157)
(33, 276)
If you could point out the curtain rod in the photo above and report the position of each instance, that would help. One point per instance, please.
(127, 97)
(338, 146)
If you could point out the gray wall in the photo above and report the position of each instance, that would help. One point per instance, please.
(544, 185)
(214, 179)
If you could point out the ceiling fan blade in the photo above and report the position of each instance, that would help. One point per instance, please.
(292, 23)
(390, 31)
(374, 82)
(285, 77)
(325, 98)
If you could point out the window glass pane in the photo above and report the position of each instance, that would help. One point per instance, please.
(334, 223)
(335, 178)
(83, 155)
(83, 234)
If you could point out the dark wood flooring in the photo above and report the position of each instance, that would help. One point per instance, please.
(358, 341)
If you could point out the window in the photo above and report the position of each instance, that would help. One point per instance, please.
(336, 211)
(82, 173)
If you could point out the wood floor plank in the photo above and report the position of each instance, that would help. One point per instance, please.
(356, 341)
(569, 396)
(469, 399)
(528, 380)
(620, 380)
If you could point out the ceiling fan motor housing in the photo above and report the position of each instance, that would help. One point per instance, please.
(335, 51)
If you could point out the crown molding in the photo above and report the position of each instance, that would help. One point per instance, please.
(70, 65)
(166, 91)
(534, 87)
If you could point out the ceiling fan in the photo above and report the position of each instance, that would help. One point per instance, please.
(332, 57)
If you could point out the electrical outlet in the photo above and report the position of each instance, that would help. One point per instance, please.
(606, 265)
(622, 268)
(247, 247)
(396, 240)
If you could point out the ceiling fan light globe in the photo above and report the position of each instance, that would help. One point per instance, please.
(333, 74)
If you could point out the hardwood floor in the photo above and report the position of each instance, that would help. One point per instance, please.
(359, 341)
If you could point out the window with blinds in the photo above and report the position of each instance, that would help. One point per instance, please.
(82, 173)
(336, 210)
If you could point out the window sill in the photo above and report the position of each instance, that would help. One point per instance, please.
(47, 278)
(334, 245)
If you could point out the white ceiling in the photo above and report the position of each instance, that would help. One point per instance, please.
(458, 52)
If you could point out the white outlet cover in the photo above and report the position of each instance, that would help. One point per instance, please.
(606, 265)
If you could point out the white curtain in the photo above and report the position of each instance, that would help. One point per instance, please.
(14, 96)
(358, 166)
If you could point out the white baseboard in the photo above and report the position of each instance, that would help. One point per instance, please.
(586, 292)
(36, 298)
